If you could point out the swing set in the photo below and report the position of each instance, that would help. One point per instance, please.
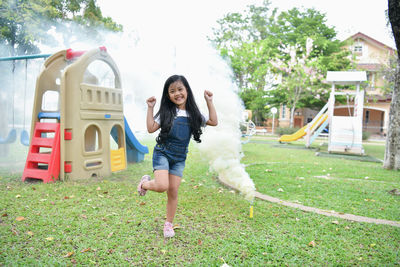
(12, 134)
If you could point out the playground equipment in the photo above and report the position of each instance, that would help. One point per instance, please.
(345, 132)
(75, 121)
(247, 127)
(12, 135)
(318, 123)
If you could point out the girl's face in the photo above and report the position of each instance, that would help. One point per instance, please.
(177, 94)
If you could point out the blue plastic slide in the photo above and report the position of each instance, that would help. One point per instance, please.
(134, 150)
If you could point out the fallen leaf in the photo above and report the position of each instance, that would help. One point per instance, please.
(33, 188)
(86, 250)
(98, 188)
(163, 251)
(142, 203)
(19, 218)
(30, 233)
(110, 251)
(335, 222)
(268, 170)
(4, 215)
(18, 196)
(69, 254)
(84, 216)
(372, 245)
(110, 234)
(50, 238)
(105, 192)
(312, 244)
(199, 242)
(176, 226)
(66, 197)
(280, 190)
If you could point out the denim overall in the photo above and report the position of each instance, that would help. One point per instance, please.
(175, 147)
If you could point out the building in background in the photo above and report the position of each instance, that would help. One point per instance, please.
(371, 56)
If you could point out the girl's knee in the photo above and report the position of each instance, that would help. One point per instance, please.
(173, 193)
(162, 187)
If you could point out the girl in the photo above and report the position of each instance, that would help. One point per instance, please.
(179, 118)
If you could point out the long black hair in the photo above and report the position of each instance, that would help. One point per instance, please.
(167, 111)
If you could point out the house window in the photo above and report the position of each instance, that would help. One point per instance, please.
(366, 116)
(283, 111)
(358, 49)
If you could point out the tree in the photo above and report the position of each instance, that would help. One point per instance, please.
(299, 76)
(392, 151)
(24, 23)
(243, 40)
(255, 39)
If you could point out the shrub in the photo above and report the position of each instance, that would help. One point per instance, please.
(285, 130)
(366, 135)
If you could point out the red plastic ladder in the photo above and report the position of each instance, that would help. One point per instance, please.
(43, 161)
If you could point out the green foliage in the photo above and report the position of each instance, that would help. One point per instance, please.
(285, 130)
(25, 24)
(252, 40)
(255, 101)
(365, 135)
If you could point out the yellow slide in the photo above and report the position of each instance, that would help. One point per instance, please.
(302, 132)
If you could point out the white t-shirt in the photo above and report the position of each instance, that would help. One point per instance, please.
(183, 113)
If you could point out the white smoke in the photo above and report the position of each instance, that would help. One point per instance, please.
(146, 66)
(146, 57)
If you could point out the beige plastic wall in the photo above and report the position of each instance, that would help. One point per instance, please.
(49, 80)
(88, 113)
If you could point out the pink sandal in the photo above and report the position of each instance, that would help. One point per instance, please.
(140, 190)
(168, 230)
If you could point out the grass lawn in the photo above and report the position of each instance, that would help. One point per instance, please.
(102, 221)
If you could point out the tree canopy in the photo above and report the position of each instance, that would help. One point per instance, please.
(24, 23)
(255, 40)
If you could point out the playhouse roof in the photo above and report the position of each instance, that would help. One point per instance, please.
(346, 77)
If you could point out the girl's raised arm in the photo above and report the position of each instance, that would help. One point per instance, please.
(212, 113)
(152, 125)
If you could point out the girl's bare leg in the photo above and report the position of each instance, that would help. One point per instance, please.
(160, 183)
(172, 193)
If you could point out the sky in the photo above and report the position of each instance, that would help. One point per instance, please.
(159, 19)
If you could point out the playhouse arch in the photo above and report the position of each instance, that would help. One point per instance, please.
(92, 139)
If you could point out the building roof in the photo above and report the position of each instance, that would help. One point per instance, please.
(371, 40)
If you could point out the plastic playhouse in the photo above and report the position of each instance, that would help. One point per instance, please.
(78, 126)
(345, 132)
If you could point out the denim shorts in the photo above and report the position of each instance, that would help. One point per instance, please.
(162, 162)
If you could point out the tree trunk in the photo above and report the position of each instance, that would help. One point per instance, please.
(392, 151)
(292, 116)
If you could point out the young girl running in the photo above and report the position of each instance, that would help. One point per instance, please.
(179, 118)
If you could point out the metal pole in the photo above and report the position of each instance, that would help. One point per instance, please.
(25, 57)
(273, 122)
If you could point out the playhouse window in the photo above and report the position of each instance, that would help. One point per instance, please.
(92, 139)
(100, 73)
(50, 101)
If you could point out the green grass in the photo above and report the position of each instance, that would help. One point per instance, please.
(104, 222)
